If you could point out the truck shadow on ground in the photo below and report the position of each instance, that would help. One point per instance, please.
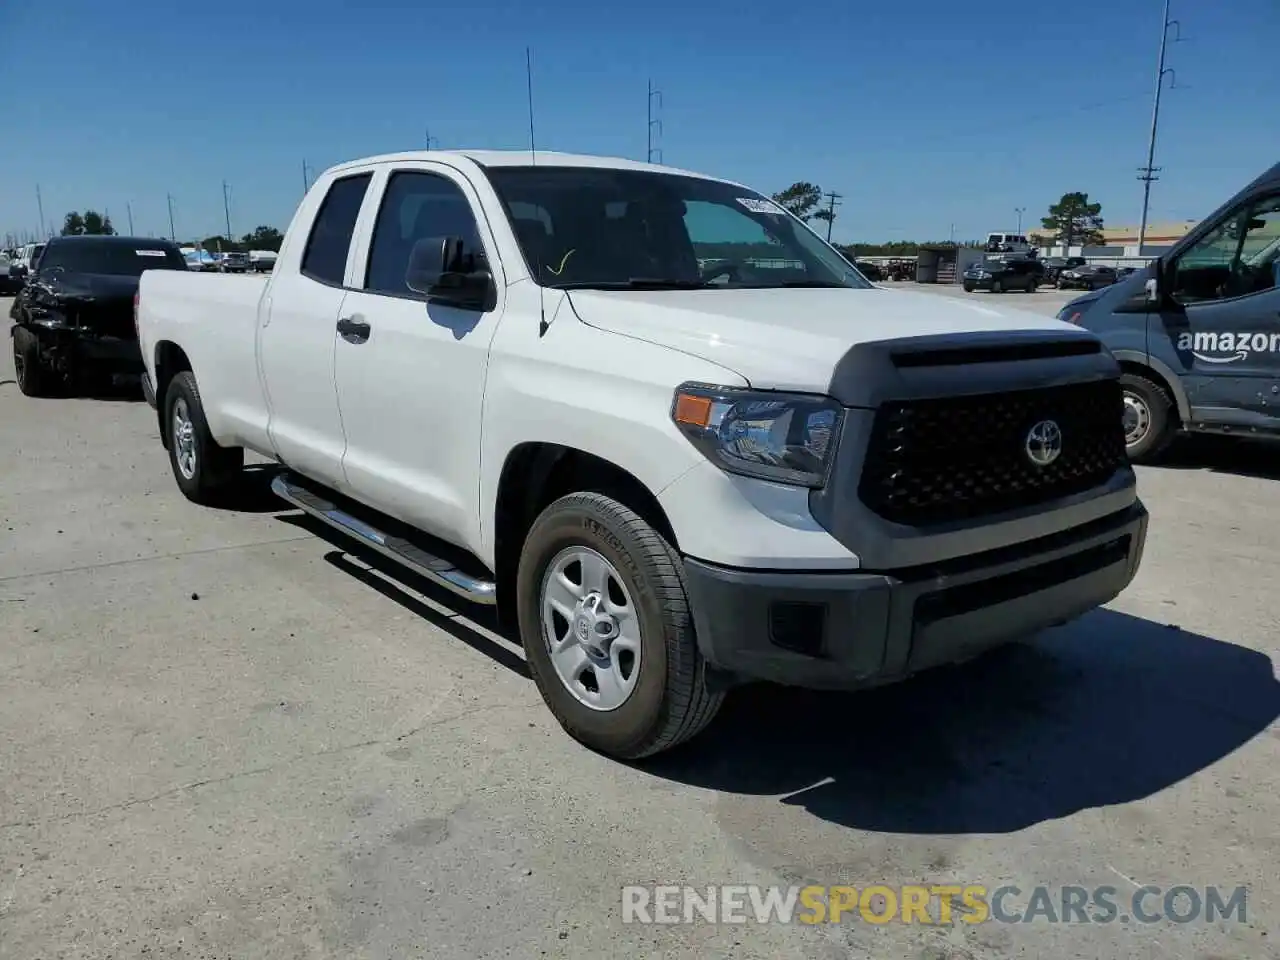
(1105, 711)
(1108, 710)
(1236, 455)
(367, 566)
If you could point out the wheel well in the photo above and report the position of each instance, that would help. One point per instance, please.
(171, 360)
(1149, 373)
(534, 476)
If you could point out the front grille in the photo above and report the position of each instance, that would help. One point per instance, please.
(942, 460)
(108, 320)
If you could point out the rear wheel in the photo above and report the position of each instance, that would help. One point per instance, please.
(968, 288)
(203, 469)
(997, 286)
(607, 630)
(34, 378)
(1150, 418)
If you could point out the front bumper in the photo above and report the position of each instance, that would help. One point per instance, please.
(849, 630)
(68, 349)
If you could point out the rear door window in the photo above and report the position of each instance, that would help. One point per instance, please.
(325, 258)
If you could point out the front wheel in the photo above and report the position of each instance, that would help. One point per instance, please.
(607, 630)
(997, 286)
(34, 378)
(203, 469)
(1150, 418)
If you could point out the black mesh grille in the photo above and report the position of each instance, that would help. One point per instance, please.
(935, 461)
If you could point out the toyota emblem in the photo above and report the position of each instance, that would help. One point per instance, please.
(1044, 443)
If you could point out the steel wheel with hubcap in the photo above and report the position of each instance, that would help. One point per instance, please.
(184, 439)
(1137, 419)
(590, 628)
(203, 469)
(1149, 416)
(607, 630)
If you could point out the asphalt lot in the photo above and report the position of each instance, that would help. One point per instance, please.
(226, 736)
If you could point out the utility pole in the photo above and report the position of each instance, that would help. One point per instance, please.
(432, 140)
(128, 209)
(653, 122)
(40, 206)
(1019, 211)
(173, 234)
(833, 199)
(1148, 173)
(306, 184)
(226, 207)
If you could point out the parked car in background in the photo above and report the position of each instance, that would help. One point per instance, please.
(1123, 272)
(1008, 243)
(1086, 277)
(9, 283)
(234, 262)
(869, 269)
(262, 261)
(23, 263)
(518, 381)
(1002, 274)
(1055, 265)
(73, 320)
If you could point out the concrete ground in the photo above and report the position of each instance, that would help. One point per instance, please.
(225, 736)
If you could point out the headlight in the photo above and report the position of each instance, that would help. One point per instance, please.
(786, 437)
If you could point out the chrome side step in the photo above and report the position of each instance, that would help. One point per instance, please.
(433, 568)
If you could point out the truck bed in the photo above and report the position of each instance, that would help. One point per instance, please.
(214, 316)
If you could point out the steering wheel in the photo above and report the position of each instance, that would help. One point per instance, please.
(735, 270)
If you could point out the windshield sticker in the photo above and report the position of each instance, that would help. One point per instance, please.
(762, 206)
(149, 253)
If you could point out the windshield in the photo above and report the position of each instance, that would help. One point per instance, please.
(603, 228)
(111, 258)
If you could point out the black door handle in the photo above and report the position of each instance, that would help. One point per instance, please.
(354, 330)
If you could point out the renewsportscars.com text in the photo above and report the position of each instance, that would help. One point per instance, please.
(935, 904)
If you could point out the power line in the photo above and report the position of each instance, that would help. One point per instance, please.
(654, 122)
(833, 200)
(1147, 174)
(226, 207)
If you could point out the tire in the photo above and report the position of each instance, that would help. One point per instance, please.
(968, 288)
(203, 469)
(1147, 402)
(668, 702)
(997, 286)
(34, 378)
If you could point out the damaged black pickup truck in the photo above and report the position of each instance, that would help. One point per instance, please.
(73, 320)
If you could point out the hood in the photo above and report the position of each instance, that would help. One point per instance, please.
(92, 288)
(790, 339)
(1089, 306)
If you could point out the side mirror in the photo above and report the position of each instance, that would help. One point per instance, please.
(442, 271)
(1153, 289)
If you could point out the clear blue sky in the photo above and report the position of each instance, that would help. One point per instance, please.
(922, 113)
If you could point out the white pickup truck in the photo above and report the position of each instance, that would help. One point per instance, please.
(675, 437)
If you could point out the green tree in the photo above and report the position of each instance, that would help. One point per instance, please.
(97, 225)
(72, 224)
(263, 238)
(800, 199)
(219, 243)
(1073, 221)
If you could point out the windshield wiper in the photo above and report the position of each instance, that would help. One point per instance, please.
(635, 283)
